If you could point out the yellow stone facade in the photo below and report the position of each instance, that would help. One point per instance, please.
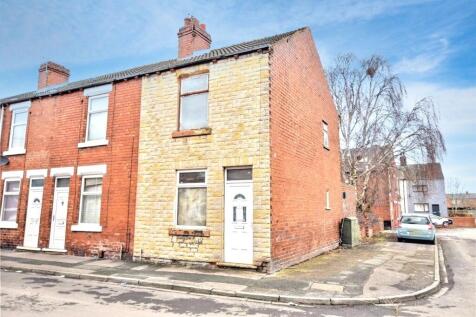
(238, 114)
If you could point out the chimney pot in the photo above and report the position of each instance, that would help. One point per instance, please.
(192, 36)
(403, 160)
(51, 73)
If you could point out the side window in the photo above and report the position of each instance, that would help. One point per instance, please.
(194, 102)
(97, 118)
(325, 134)
(328, 200)
(11, 193)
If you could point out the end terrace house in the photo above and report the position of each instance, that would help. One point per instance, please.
(239, 159)
(69, 164)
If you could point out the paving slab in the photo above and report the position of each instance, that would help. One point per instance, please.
(369, 272)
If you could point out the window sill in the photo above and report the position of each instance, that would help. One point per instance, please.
(326, 148)
(192, 132)
(189, 232)
(93, 143)
(327, 209)
(8, 225)
(86, 227)
(14, 152)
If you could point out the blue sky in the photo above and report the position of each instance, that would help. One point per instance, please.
(431, 44)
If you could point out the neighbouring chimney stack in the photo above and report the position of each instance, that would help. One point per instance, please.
(51, 73)
(403, 160)
(192, 36)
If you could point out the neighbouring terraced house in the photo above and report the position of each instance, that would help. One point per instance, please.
(223, 156)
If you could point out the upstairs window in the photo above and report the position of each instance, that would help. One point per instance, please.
(97, 118)
(325, 134)
(420, 188)
(16, 144)
(194, 102)
(11, 193)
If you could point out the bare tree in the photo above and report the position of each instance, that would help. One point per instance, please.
(457, 195)
(375, 125)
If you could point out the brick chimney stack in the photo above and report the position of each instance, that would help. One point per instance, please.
(51, 73)
(192, 36)
(403, 160)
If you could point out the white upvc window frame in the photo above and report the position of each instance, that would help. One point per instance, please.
(23, 107)
(92, 94)
(325, 135)
(427, 205)
(188, 185)
(90, 112)
(83, 226)
(10, 224)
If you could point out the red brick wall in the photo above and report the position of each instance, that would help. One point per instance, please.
(301, 168)
(385, 206)
(350, 201)
(55, 127)
(464, 222)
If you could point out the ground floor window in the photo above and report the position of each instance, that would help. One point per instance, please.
(191, 198)
(11, 193)
(423, 208)
(91, 192)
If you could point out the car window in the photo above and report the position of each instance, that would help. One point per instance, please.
(415, 220)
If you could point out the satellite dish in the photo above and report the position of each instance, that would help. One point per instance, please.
(4, 160)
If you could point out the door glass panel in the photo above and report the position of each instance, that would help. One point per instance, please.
(37, 182)
(62, 182)
(239, 208)
(239, 174)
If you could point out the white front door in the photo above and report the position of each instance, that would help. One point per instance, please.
(33, 213)
(239, 216)
(60, 211)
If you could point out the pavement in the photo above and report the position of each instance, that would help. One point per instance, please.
(381, 271)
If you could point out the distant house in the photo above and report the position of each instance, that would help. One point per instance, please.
(422, 189)
(382, 187)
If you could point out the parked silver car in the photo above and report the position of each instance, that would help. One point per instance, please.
(417, 227)
(441, 221)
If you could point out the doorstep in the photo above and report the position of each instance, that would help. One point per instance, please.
(49, 250)
(21, 248)
(237, 265)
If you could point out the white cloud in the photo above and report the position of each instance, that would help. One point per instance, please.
(436, 51)
(456, 106)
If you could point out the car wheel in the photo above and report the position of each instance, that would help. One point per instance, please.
(433, 241)
(445, 224)
(400, 239)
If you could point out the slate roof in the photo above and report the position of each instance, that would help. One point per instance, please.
(429, 171)
(237, 49)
